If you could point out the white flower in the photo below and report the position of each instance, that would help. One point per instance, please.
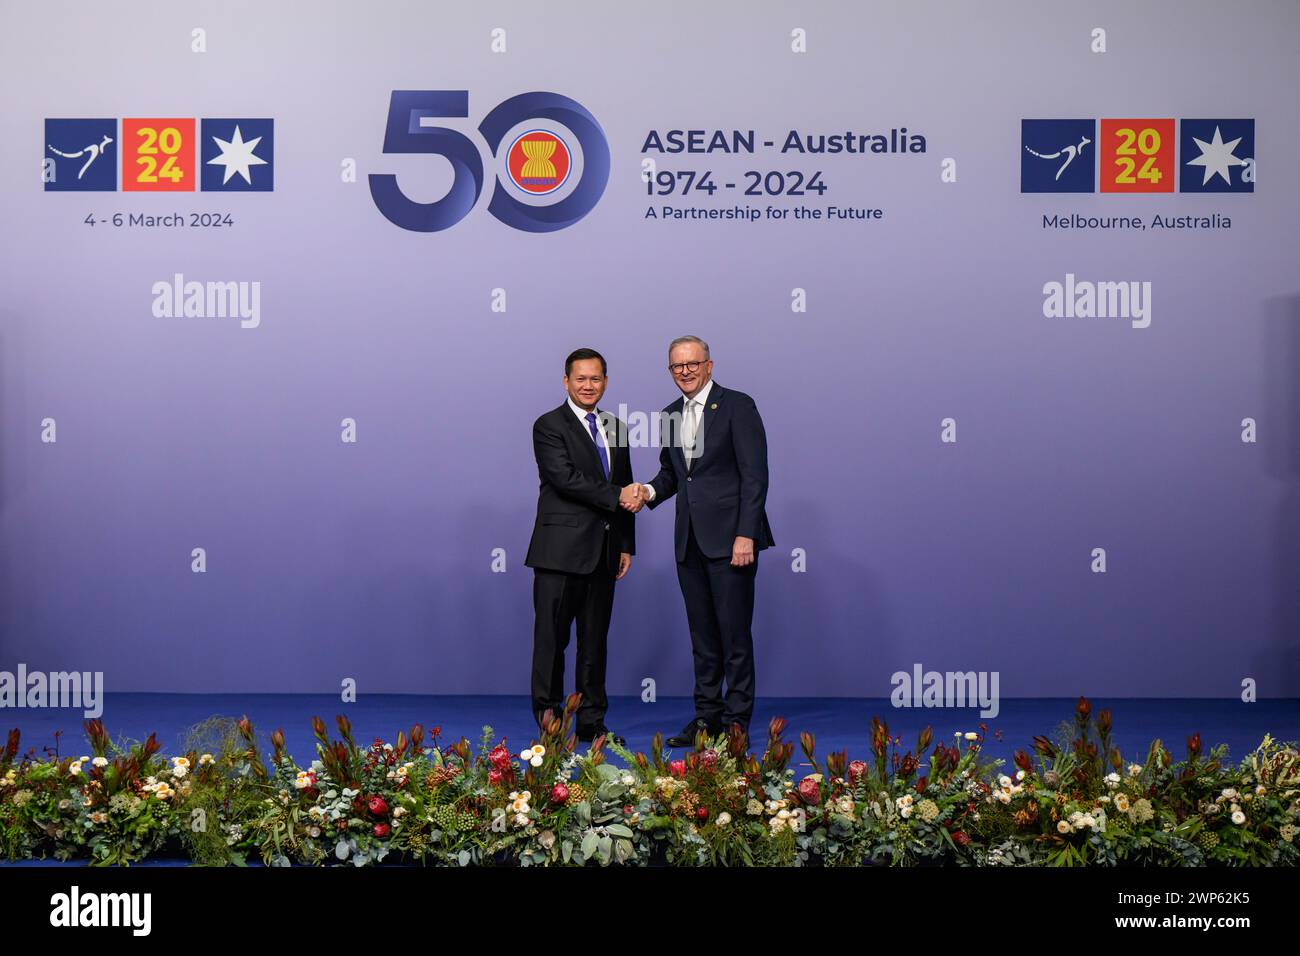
(525, 755)
(1112, 780)
(206, 759)
(1020, 775)
(1238, 817)
(627, 780)
(1063, 827)
(971, 735)
(100, 761)
(538, 750)
(313, 832)
(1230, 794)
(179, 770)
(1134, 769)
(536, 761)
(1004, 781)
(723, 818)
(906, 811)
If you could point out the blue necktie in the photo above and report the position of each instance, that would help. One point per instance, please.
(600, 447)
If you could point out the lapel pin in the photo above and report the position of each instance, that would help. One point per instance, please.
(713, 407)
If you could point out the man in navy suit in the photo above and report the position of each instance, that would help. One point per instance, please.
(716, 465)
(582, 540)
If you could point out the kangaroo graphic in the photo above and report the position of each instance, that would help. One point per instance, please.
(1070, 152)
(95, 151)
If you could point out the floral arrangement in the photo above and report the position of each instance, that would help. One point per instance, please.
(1068, 802)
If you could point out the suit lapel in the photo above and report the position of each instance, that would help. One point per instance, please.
(583, 434)
(707, 414)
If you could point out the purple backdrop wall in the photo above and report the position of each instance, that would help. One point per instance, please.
(373, 560)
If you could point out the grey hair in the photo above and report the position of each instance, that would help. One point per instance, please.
(686, 340)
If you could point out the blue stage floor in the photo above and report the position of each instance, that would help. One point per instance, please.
(839, 723)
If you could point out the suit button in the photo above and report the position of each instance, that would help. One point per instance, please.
(688, 477)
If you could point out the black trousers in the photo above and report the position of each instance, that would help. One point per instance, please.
(720, 613)
(559, 600)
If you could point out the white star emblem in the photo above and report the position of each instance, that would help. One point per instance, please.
(237, 156)
(1216, 157)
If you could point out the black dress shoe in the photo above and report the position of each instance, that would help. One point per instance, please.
(687, 737)
(600, 730)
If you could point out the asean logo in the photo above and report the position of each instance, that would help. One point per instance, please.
(539, 162)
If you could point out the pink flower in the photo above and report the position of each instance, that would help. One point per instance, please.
(709, 759)
(499, 757)
(377, 806)
(559, 793)
(809, 792)
(677, 768)
(382, 830)
(856, 771)
(494, 777)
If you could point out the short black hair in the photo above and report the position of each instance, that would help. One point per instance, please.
(578, 355)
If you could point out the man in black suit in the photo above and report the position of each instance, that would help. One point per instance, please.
(716, 465)
(583, 541)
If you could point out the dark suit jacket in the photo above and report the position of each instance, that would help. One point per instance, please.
(725, 493)
(576, 500)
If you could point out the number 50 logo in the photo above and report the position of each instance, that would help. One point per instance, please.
(407, 133)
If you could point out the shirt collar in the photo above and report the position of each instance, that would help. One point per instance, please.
(582, 415)
(701, 396)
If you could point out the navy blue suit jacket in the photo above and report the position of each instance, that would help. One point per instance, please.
(724, 495)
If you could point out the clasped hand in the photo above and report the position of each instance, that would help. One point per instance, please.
(633, 497)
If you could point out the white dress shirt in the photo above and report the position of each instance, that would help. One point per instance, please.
(692, 416)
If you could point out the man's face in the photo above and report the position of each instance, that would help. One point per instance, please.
(585, 383)
(689, 368)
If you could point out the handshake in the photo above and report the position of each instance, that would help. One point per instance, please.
(634, 497)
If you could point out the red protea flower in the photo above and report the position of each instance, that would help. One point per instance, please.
(856, 771)
(499, 757)
(961, 838)
(381, 830)
(494, 777)
(709, 759)
(377, 805)
(809, 792)
(702, 814)
(677, 768)
(560, 793)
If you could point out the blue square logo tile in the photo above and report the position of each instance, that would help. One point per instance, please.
(237, 155)
(1216, 156)
(1058, 155)
(81, 155)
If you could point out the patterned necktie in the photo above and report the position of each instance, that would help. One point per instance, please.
(693, 409)
(600, 446)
